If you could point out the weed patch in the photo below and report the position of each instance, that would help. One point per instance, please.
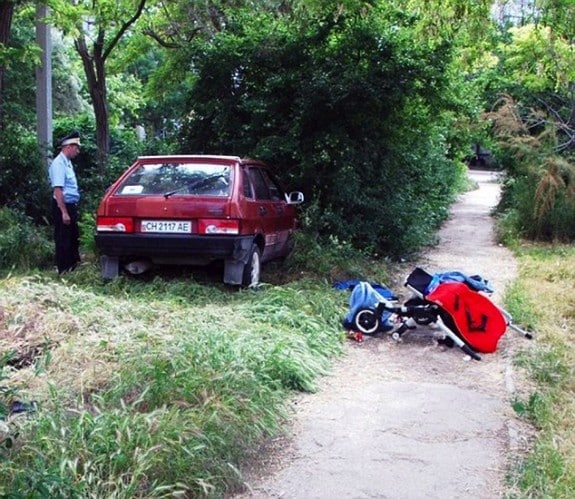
(155, 388)
(543, 296)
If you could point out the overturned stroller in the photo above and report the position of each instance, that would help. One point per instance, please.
(456, 303)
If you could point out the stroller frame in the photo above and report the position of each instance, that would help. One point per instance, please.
(420, 311)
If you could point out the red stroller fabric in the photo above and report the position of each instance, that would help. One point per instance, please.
(479, 322)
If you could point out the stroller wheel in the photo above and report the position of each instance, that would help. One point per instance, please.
(366, 321)
(424, 320)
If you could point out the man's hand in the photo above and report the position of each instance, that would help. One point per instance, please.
(59, 196)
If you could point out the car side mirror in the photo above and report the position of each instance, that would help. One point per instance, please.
(295, 197)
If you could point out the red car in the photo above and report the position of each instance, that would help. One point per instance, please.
(194, 210)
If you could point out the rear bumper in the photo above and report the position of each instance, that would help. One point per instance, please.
(174, 247)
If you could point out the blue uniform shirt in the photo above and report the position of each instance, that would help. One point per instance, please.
(62, 175)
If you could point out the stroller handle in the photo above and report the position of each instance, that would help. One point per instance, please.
(517, 329)
(511, 325)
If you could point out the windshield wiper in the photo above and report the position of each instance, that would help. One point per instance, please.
(175, 191)
(197, 183)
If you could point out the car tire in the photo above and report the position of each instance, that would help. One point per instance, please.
(109, 267)
(253, 268)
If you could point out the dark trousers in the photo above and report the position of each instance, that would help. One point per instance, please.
(66, 237)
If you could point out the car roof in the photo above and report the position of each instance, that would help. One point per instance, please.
(196, 157)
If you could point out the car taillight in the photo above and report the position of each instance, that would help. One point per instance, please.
(217, 226)
(114, 224)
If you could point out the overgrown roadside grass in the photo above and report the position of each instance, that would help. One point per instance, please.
(543, 298)
(163, 387)
(152, 389)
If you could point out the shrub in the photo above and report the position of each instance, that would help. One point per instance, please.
(23, 176)
(539, 191)
(23, 245)
(346, 110)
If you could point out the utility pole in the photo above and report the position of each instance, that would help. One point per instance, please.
(44, 84)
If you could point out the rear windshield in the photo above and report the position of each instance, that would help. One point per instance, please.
(167, 179)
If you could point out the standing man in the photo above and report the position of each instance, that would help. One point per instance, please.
(65, 197)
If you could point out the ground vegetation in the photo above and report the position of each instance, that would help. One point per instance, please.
(372, 109)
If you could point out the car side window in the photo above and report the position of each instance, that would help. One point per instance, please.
(247, 184)
(273, 186)
(260, 185)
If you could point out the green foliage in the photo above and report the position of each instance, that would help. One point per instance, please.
(23, 177)
(539, 192)
(7, 393)
(333, 260)
(507, 228)
(348, 110)
(18, 59)
(182, 398)
(529, 95)
(68, 90)
(87, 226)
(539, 58)
(22, 245)
(538, 301)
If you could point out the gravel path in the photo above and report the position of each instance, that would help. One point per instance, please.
(409, 420)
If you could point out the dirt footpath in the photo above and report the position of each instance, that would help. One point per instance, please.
(409, 420)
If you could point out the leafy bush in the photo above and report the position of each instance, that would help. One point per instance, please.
(539, 203)
(348, 110)
(22, 244)
(87, 226)
(23, 177)
(539, 192)
(507, 228)
(331, 259)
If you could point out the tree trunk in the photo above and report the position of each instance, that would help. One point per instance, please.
(6, 12)
(95, 70)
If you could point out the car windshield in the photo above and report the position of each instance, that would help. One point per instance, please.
(167, 179)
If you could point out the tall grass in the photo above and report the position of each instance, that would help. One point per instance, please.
(542, 298)
(162, 387)
(154, 389)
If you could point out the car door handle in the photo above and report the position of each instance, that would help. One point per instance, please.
(263, 211)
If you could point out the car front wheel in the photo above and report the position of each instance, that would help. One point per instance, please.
(252, 269)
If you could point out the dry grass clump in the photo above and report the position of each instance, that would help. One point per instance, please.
(64, 335)
(32, 325)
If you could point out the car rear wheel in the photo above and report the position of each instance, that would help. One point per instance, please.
(109, 267)
(253, 268)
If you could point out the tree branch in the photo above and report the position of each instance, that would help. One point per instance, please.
(123, 29)
(169, 45)
(560, 125)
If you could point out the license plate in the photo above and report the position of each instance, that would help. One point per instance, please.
(166, 226)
